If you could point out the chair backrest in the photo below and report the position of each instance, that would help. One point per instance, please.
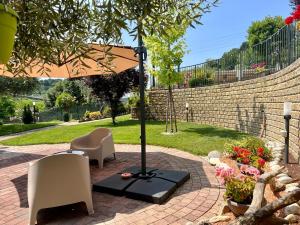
(58, 178)
(97, 135)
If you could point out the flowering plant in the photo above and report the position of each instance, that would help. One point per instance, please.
(259, 67)
(250, 152)
(295, 16)
(239, 186)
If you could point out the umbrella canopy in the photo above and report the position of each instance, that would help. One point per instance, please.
(100, 59)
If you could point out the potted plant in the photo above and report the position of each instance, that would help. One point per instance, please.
(239, 186)
(8, 29)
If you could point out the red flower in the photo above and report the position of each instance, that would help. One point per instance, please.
(261, 162)
(236, 148)
(296, 15)
(260, 151)
(244, 153)
(246, 160)
(289, 20)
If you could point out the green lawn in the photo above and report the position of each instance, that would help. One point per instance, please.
(194, 138)
(7, 129)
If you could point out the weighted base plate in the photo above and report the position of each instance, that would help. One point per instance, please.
(156, 187)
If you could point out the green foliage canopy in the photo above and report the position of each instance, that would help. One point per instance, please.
(65, 101)
(18, 86)
(57, 31)
(7, 107)
(261, 30)
(166, 53)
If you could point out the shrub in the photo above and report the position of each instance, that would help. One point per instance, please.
(27, 116)
(95, 115)
(65, 101)
(67, 117)
(86, 115)
(203, 77)
(1, 122)
(106, 111)
(7, 107)
(134, 101)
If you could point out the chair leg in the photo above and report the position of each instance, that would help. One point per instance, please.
(100, 163)
(32, 216)
(89, 206)
(114, 155)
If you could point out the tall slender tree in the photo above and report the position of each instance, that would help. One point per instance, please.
(166, 53)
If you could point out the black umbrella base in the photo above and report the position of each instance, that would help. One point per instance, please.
(156, 187)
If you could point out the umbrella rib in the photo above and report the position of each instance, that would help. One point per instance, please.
(107, 67)
(124, 57)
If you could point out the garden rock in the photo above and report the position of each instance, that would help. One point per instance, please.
(293, 185)
(292, 188)
(282, 175)
(273, 163)
(292, 209)
(285, 179)
(275, 167)
(291, 218)
(214, 154)
(214, 161)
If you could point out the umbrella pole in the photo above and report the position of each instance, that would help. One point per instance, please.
(141, 51)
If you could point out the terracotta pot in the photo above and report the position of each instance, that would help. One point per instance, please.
(8, 29)
(237, 208)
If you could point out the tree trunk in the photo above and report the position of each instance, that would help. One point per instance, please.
(171, 113)
(174, 111)
(167, 113)
(171, 109)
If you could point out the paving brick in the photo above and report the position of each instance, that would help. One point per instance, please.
(188, 203)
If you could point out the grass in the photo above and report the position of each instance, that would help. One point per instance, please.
(192, 137)
(7, 129)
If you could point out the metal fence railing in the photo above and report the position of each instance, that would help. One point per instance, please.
(277, 52)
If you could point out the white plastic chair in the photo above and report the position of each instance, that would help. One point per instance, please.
(97, 145)
(58, 180)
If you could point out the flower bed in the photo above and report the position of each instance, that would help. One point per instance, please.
(242, 164)
(249, 151)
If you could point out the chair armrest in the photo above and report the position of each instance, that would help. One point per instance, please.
(78, 141)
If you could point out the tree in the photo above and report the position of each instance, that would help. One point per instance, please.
(7, 107)
(18, 86)
(76, 88)
(259, 31)
(64, 101)
(57, 31)
(166, 53)
(230, 59)
(113, 88)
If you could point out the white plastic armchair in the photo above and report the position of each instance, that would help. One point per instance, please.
(58, 180)
(97, 145)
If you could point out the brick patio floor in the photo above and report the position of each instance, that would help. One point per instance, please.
(197, 199)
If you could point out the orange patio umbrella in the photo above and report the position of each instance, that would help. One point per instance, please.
(100, 59)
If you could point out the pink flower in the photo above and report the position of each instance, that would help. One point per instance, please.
(225, 173)
(253, 171)
(244, 168)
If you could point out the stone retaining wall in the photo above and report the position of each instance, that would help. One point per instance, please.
(241, 105)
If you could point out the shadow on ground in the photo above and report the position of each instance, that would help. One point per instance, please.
(215, 132)
(107, 206)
